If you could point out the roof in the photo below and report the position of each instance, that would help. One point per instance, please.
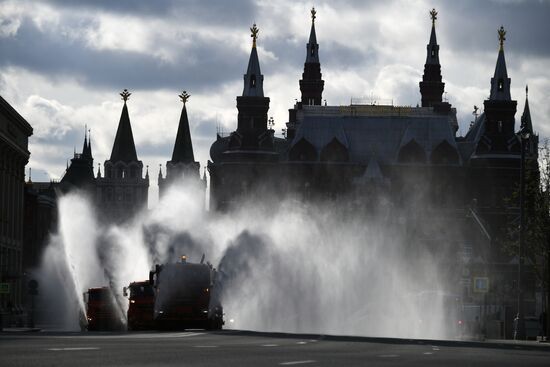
(433, 45)
(183, 147)
(253, 79)
(378, 131)
(15, 117)
(500, 93)
(124, 148)
(467, 145)
(312, 47)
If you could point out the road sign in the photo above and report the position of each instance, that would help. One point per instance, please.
(481, 284)
(4, 288)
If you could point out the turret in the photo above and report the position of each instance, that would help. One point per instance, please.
(311, 84)
(500, 109)
(252, 105)
(431, 86)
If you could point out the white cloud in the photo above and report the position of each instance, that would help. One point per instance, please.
(365, 48)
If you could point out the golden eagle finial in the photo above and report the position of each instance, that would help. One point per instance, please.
(313, 14)
(254, 30)
(433, 15)
(501, 37)
(125, 95)
(184, 96)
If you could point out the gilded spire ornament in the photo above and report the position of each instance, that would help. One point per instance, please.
(254, 34)
(313, 15)
(125, 95)
(501, 37)
(184, 96)
(433, 15)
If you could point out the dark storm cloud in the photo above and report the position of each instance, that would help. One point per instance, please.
(211, 11)
(471, 25)
(201, 67)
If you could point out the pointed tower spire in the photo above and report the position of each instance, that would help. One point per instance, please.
(499, 136)
(431, 86)
(500, 83)
(253, 79)
(85, 147)
(124, 148)
(311, 84)
(526, 122)
(252, 105)
(160, 172)
(183, 148)
(98, 170)
(89, 149)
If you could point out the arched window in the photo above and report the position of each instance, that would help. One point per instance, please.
(500, 85)
(412, 152)
(334, 152)
(444, 153)
(303, 151)
(252, 81)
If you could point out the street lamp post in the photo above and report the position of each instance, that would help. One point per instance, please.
(520, 332)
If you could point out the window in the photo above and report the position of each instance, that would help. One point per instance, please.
(500, 126)
(433, 52)
(253, 81)
(500, 85)
(312, 50)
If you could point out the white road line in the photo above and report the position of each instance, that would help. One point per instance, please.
(301, 343)
(388, 355)
(71, 349)
(270, 345)
(428, 353)
(296, 362)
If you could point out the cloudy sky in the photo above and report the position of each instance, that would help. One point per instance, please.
(63, 63)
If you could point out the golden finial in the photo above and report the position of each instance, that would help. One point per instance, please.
(184, 96)
(501, 37)
(125, 95)
(313, 15)
(433, 15)
(254, 34)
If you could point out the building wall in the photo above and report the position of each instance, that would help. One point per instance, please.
(14, 154)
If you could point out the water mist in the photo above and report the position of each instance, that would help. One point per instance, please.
(284, 266)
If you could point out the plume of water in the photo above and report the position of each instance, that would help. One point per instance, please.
(284, 265)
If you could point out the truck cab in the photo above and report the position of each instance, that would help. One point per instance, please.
(140, 308)
(186, 296)
(102, 312)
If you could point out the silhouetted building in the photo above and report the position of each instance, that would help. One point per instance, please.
(182, 167)
(40, 220)
(123, 191)
(358, 153)
(14, 155)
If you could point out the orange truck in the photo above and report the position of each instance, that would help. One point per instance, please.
(186, 296)
(140, 307)
(102, 311)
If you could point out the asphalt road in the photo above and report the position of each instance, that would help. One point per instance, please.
(240, 348)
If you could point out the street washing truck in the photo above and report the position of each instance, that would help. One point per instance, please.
(140, 306)
(102, 310)
(186, 296)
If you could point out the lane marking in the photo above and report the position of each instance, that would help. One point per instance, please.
(301, 343)
(72, 349)
(388, 355)
(428, 353)
(129, 336)
(296, 362)
(270, 345)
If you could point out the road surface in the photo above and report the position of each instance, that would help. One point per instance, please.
(242, 348)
